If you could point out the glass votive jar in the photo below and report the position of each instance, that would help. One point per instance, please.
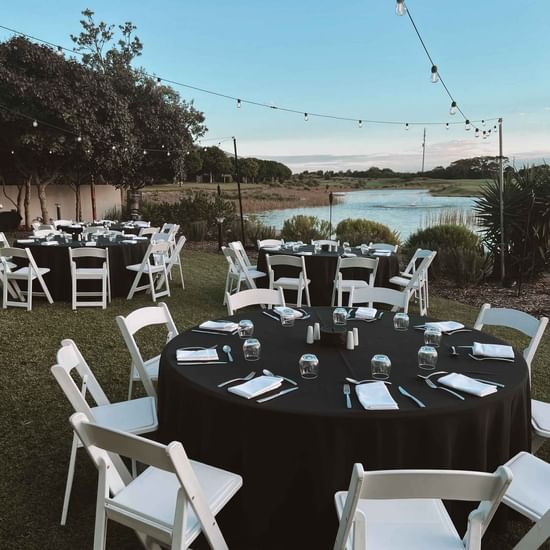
(246, 328)
(287, 318)
(339, 317)
(432, 337)
(400, 321)
(427, 358)
(380, 366)
(251, 349)
(309, 366)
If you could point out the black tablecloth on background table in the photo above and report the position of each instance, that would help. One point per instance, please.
(56, 258)
(321, 269)
(296, 451)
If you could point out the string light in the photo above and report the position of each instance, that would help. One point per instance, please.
(144, 151)
(360, 123)
(447, 126)
(452, 110)
(406, 126)
(484, 134)
(35, 123)
(168, 153)
(59, 50)
(12, 152)
(477, 133)
(435, 75)
(159, 80)
(400, 7)
(467, 125)
(306, 117)
(238, 103)
(483, 122)
(79, 139)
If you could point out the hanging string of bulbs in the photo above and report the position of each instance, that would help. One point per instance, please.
(401, 9)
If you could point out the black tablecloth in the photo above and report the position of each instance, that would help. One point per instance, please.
(56, 258)
(321, 269)
(296, 451)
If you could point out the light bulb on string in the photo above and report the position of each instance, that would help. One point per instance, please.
(35, 123)
(477, 132)
(113, 147)
(159, 81)
(144, 151)
(483, 122)
(467, 125)
(51, 152)
(306, 117)
(59, 50)
(484, 134)
(79, 139)
(360, 123)
(167, 153)
(495, 127)
(162, 146)
(238, 103)
(447, 126)
(400, 7)
(453, 109)
(435, 75)
(12, 152)
(406, 126)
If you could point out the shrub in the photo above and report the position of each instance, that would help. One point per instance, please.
(460, 253)
(304, 228)
(254, 229)
(358, 231)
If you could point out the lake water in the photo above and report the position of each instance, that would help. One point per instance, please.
(402, 210)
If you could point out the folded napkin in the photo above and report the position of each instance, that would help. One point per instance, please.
(25, 241)
(140, 238)
(305, 253)
(365, 313)
(445, 326)
(220, 326)
(349, 255)
(467, 384)
(493, 350)
(375, 396)
(288, 310)
(256, 386)
(49, 243)
(381, 253)
(129, 241)
(91, 243)
(209, 354)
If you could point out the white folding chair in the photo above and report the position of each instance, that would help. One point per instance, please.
(534, 328)
(12, 277)
(399, 299)
(169, 504)
(144, 231)
(247, 274)
(403, 509)
(269, 242)
(342, 285)
(90, 274)
(255, 296)
(153, 266)
(529, 494)
(300, 284)
(144, 370)
(4, 243)
(239, 249)
(173, 259)
(384, 246)
(137, 416)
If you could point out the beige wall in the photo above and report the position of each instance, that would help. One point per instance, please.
(106, 197)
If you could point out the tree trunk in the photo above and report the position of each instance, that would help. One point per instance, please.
(27, 202)
(20, 199)
(78, 204)
(42, 198)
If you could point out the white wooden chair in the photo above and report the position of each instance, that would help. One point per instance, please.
(529, 494)
(169, 504)
(153, 269)
(403, 509)
(384, 246)
(12, 277)
(269, 242)
(144, 370)
(404, 277)
(170, 231)
(342, 285)
(90, 274)
(399, 299)
(239, 271)
(4, 243)
(239, 249)
(300, 284)
(137, 416)
(144, 231)
(255, 296)
(534, 328)
(173, 259)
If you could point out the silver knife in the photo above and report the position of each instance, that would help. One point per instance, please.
(270, 315)
(275, 395)
(404, 392)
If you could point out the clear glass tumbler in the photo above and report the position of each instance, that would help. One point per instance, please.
(427, 358)
(432, 337)
(251, 349)
(246, 328)
(401, 321)
(309, 366)
(340, 317)
(287, 318)
(380, 366)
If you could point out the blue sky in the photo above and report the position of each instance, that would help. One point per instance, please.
(349, 58)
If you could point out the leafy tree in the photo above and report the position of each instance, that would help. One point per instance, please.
(248, 168)
(215, 162)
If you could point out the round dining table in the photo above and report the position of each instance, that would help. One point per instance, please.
(295, 451)
(123, 251)
(321, 270)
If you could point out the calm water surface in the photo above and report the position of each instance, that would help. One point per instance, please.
(404, 211)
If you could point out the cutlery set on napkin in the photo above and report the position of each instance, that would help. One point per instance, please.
(199, 356)
(217, 327)
(260, 385)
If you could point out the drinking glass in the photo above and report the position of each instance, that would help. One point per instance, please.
(287, 318)
(432, 337)
(347, 248)
(380, 367)
(246, 328)
(339, 316)
(316, 247)
(309, 366)
(251, 349)
(401, 321)
(295, 247)
(427, 358)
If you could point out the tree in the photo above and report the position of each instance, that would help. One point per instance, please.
(215, 162)
(248, 168)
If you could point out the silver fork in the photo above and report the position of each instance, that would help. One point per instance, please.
(347, 392)
(245, 378)
(353, 381)
(434, 386)
(491, 358)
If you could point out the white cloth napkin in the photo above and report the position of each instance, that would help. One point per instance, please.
(306, 253)
(91, 243)
(467, 384)
(445, 326)
(365, 313)
(288, 310)
(50, 243)
(220, 326)
(128, 241)
(349, 255)
(208, 354)
(25, 241)
(140, 238)
(493, 350)
(381, 253)
(256, 386)
(375, 396)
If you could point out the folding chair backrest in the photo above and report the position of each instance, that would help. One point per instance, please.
(515, 319)
(285, 259)
(88, 252)
(177, 250)
(148, 231)
(419, 254)
(352, 263)
(243, 265)
(269, 242)
(14, 252)
(69, 358)
(238, 247)
(255, 296)
(384, 246)
(420, 272)
(231, 259)
(381, 295)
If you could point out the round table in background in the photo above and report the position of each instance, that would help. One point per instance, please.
(56, 258)
(321, 269)
(296, 451)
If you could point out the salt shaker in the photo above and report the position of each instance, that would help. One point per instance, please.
(309, 336)
(316, 331)
(355, 336)
(349, 341)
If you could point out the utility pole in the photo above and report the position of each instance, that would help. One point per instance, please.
(237, 175)
(501, 198)
(423, 150)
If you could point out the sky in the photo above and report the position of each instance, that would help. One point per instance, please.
(348, 58)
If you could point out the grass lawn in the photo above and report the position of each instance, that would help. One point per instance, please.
(35, 433)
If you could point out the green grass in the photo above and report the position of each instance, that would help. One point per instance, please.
(35, 433)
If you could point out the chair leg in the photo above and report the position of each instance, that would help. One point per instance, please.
(536, 442)
(134, 286)
(69, 483)
(181, 273)
(308, 301)
(299, 297)
(131, 384)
